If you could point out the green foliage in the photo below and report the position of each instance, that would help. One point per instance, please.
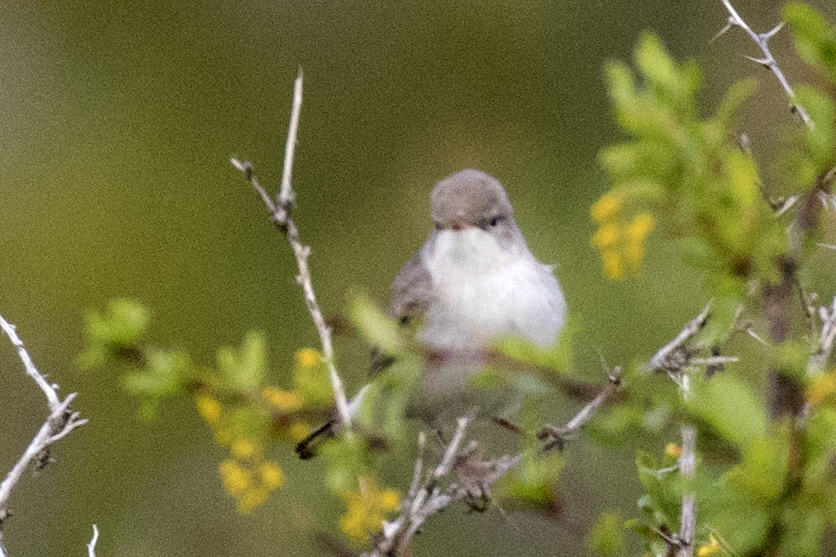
(532, 484)
(815, 38)
(376, 327)
(730, 407)
(607, 536)
(113, 333)
(689, 169)
(245, 369)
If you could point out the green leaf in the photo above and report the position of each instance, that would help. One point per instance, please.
(244, 369)
(815, 39)
(607, 536)
(165, 374)
(731, 408)
(803, 531)
(376, 326)
(311, 380)
(110, 333)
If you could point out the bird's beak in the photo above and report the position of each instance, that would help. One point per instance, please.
(460, 224)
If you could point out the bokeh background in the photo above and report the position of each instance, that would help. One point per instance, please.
(117, 122)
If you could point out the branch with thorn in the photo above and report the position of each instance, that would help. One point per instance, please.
(766, 59)
(426, 496)
(556, 437)
(281, 213)
(60, 422)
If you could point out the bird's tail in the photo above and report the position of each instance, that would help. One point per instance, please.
(309, 446)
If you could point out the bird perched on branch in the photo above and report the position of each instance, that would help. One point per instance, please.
(473, 282)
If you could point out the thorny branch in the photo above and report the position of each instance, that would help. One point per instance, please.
(60, 422)
(556, 437)
(426, 497)
(766, 60)
(281, 213)
(673, 359)
(476, 476)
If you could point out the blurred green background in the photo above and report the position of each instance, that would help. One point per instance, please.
(117, 123)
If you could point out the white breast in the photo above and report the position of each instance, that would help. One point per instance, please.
(483, 292)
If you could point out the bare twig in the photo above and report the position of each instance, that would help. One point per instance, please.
(687, 467)
(281, 214)
(91, 547)
(675, 356)
(59, 423)
(826, 338)
(766, 60)
(557, 436)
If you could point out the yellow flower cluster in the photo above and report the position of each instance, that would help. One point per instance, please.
(211, 410)
(620, 242)
(366, 509)
(247, 476)
(822, 386)
(307, 357)
(673, 450)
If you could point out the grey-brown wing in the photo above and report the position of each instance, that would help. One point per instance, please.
(411, 291)
(410, 296)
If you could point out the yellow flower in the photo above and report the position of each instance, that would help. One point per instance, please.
(248, 477)
(613, 265)
(243, 449)
(209, 408)
(712, 547)
(299, 430)
(286, 401)
(236, 478)
(606, 236)
(673, 450)
(641, 225)
(251, 499)
(307, 357)
(366, 509)
(271, 475)
(605, 208)
(821, 387)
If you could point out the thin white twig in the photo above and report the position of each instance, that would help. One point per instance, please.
(31, 370)
(286, 196)
(826, 338)
(91, 547)
(767, 60)
(673, 356)
(281, 214)
(687, 467)
(60, 422)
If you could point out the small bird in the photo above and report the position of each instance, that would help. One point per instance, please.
(472, 283)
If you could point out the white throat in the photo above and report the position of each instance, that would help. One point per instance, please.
(484, 291)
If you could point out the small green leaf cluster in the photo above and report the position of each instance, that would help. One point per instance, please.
(242, 409)
(689, 169)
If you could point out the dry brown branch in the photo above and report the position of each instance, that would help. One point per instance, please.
(60, 422)
(281, 213)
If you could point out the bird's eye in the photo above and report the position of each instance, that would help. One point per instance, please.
(495, 220)
(438, 226)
